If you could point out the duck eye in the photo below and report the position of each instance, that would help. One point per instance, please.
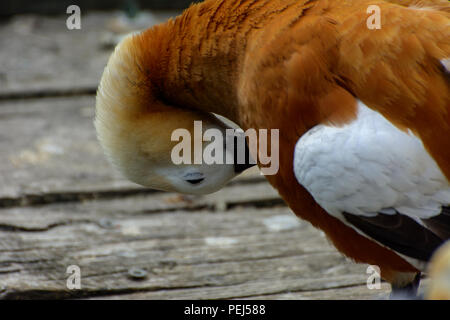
(195, 181)
(194, 177)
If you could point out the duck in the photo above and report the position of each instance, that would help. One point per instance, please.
(361, 103)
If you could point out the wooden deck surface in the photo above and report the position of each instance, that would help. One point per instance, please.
(62, 204)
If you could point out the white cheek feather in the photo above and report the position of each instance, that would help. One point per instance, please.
(368, 167)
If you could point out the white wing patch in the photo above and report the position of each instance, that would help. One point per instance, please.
(446, 64)
(369, 167)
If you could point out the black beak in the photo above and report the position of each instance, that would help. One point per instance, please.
(248, 163)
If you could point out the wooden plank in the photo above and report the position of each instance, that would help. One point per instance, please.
(343, 293)
(343, 288)
(295, 288)
(40, 218)
(40, 56)
(49, 145)
(49, 152)
(237, 253)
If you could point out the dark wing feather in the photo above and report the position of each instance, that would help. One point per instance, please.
(440, 224)
(399, 233)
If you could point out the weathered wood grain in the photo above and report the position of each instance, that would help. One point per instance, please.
(38, 218)
(49, 145)
(240, 252)
(40, 56)
(339, 289)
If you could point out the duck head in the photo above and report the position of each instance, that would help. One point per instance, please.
(136, 131)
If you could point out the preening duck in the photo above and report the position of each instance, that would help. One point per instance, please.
(363, 113)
